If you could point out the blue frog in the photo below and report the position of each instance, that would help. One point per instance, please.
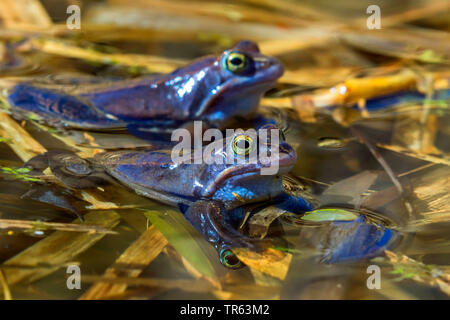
(206, 191)
(214, 89)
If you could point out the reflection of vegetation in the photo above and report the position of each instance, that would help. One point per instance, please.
(288, 250)
(411, 271)
(406, 268)
(19, 173)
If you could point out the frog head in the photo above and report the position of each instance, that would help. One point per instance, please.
(235, 170)
(232, 83)
(253, 174)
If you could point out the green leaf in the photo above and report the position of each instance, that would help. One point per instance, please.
(329, 214)
(20, 174)
(23, 170)
(398, 270)
(182, 236)
(431, 57)
(31, 179)
(288, 250)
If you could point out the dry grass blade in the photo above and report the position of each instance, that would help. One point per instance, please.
(59, 248)
(407, 43)
(300, 10)
(271, 262)
(130, 264)
(6, 291)
(18, 139)
(226, 11)
(434, 191)
(197, 285)
(416, 13)
(306, 38)
(426, 166)
(153, 64)
(379, 158)
(24, 12)
(96, 204)
(249, 292)
(431, 199)
(41, 225)
(415, 154)
(317, 76)
(387, 168)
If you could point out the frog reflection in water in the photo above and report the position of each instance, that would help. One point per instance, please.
(204, 192)
(214, 89)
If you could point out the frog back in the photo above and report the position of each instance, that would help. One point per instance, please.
(154, 173)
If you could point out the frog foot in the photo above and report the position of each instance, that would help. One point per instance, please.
(208, 218)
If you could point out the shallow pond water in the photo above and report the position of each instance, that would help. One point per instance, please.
(397, 197)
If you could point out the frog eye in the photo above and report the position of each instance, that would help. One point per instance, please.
(75, 166)
(236, 62)
(242, 144)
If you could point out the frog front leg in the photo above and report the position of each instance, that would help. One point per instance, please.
(208, 217)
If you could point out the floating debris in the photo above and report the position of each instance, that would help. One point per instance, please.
(329, 214)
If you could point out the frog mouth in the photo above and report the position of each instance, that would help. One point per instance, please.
(267, 76)
(271, 73)
(262, 82)
(286, 160)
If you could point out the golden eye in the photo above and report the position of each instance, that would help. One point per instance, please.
(236, 62)
(242, 145)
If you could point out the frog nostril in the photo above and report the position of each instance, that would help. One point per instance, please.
(284, 149)
(262, 62)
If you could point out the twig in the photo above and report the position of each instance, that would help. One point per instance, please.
(379, 158)
(197, 285)
(6, 291)
(414, 154)
(60, 246)
(416, 169)
(41, 225)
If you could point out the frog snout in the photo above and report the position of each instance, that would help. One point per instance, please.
(287, 154)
